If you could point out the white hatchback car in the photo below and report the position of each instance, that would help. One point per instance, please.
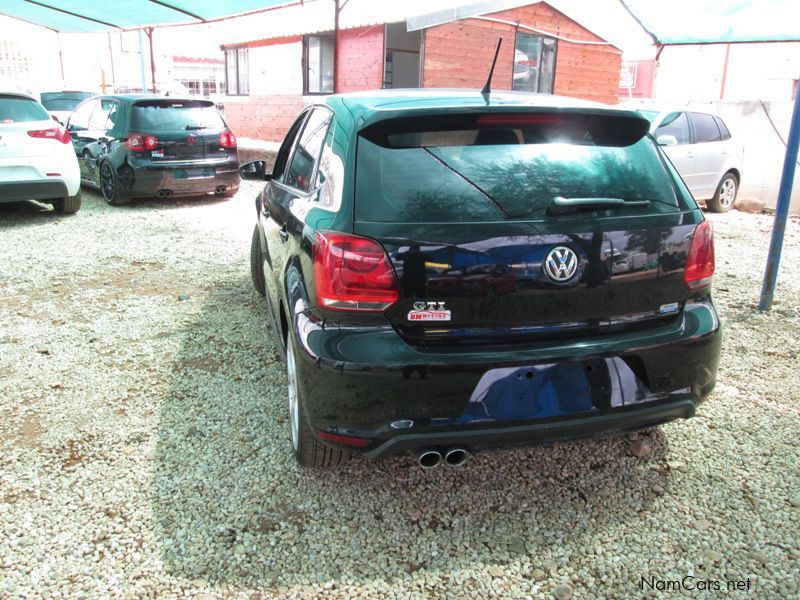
(37, 161)
(701, 147)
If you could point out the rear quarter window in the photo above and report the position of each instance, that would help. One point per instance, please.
(175, 115)
(15, 109)
(445, 170)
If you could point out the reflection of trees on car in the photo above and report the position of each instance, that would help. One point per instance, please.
(476, 280)
(414, 273)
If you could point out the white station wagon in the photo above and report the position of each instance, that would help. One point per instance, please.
(701, 147)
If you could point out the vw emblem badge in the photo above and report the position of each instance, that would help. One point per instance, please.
(561, 264)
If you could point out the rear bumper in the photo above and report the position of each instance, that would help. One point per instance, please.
(624, 419)
(15, 191)
(183, 179)
(359, 381)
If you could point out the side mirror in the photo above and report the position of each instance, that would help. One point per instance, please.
(255, 171)
(103, 140)
(667, 140)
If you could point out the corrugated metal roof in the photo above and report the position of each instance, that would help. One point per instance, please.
(315, 16)
(463, 11)
(607, 19)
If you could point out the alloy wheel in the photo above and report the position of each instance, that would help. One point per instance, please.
(107, 183)
(294, 409)
(727, 192)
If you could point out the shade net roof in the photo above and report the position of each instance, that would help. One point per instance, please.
(715, 21)
(103, 15)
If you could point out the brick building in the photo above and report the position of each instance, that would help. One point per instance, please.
(544, 50)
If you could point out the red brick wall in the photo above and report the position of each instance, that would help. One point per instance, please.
(360, 59)
(269, 117)
(459, 54)
(263, 117)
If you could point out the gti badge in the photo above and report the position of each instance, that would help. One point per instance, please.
(561, 264)
(429, 311)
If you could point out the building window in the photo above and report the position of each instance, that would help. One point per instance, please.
(534, 63)
(318, 61)
(237, 76)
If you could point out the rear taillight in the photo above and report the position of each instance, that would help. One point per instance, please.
(141, 142)
(53, 133)
(700, 262)
(353, 273)
(227, 139)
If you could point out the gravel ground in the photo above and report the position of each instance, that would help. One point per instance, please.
(144, 443)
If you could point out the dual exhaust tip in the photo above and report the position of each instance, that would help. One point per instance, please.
(455, 456)
(161, 194)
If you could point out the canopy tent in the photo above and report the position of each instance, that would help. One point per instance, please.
(88, 16)
(734, 21)
(717, 21)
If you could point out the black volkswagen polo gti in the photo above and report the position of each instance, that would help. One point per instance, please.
(152, 146)
(446, 272)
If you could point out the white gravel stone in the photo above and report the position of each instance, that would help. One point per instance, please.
(144, 447)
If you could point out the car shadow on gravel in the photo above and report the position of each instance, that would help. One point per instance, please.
(24, 212)
(172, 203)
(230, 505)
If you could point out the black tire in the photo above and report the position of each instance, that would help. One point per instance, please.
(257, 264)
(69, 205)
(308, 451)
(110, 185)
(725, 196)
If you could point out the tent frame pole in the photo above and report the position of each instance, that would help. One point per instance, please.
(782, 209)
(141, 62)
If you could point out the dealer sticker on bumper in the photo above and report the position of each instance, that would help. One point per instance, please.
(429, 311)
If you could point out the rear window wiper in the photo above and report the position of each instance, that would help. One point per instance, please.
(559, 205)
(195, 127)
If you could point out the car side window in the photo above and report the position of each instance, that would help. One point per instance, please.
(705, 128)
(677, 125)
(307, 151)
(79, 120)
(286, 147)
(99, 118)
(330, 174)
(113, 113)
(723, 129)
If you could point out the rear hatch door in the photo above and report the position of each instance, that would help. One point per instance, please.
(186, 130)
(18, 116)
(515, 227)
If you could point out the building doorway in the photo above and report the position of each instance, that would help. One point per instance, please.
(401, 62)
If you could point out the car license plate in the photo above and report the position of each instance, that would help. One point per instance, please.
(194, 173)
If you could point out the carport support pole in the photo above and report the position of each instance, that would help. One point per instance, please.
(782, 209)
(149, 32)
(141, 62)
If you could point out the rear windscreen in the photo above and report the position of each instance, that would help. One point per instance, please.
(498, 166)
(63, 101)
(14, 109)
(167, 115)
